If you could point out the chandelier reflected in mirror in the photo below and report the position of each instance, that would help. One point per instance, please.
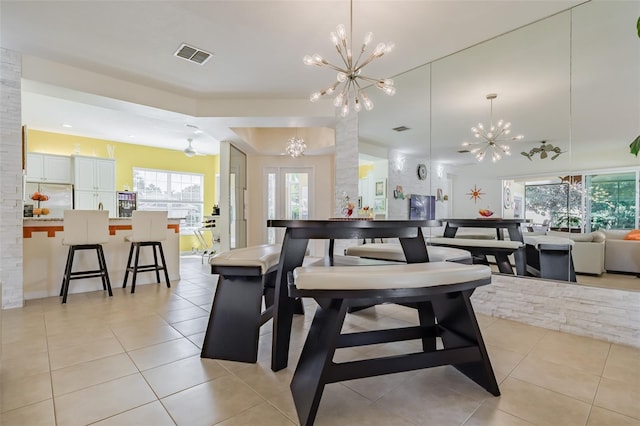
(351, 96)
(296, 147)
(492, 140)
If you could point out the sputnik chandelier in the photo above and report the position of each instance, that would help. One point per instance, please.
(494, 139)
(350, 95)
(296, 147)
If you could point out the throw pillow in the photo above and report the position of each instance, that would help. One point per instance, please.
(633, 235)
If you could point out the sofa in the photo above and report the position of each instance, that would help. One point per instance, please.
(621, 255)
(588, 251)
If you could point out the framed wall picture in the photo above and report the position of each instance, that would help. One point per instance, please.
(517, 207)
(379, 204)
(381, 188)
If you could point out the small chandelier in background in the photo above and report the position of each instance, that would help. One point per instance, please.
(296, 147)
(350, 95)
(493, 139)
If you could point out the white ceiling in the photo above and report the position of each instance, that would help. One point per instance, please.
(257, 51)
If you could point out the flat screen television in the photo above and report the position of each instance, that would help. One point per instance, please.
(422, 207)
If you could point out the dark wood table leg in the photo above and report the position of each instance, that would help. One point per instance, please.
(521, 261)
(458, 327)
(415, 249)
(314, 366)
(292, 255)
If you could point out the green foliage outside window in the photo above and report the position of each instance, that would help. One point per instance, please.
(609, 200)
(560, 203)
(613, 203)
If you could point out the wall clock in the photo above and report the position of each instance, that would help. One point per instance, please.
(507, 197)
(422, 171)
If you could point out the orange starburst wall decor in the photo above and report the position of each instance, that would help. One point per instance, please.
(475, 193)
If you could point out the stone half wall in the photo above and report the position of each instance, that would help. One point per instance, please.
(601, 313)
(11, 179)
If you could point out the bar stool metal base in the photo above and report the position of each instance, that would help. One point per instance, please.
(76, 275)
(155, 266)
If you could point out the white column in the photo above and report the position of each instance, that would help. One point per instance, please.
(11, 180)
(346, 161)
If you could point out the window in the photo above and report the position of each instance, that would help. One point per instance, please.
(555, 205)
(612, 200)
(181, 194)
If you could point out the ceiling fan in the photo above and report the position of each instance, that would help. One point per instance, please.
(190, 151)
(544, 150)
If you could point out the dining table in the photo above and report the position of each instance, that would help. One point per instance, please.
(294, 245)
(513, 226)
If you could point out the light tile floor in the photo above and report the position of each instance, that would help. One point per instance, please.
(134, 360)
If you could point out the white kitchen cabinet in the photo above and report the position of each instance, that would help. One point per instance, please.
(95, 184)
(94, 174)
(48, 168)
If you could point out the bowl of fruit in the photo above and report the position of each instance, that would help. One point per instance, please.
(37, 196)
(485, 212)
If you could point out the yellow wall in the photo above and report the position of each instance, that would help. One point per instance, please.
(128, 156)
(364, 170)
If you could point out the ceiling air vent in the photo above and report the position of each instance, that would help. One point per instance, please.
(192, 54)
(400, 128)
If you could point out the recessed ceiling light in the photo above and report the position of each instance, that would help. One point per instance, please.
(196, 129)
(68, 126)
(132, 136)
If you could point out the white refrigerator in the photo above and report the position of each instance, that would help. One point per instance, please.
(59, 197)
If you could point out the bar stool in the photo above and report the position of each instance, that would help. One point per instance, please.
(149, 229)
(85, 230)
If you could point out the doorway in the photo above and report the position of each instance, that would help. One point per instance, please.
(237, 195)
(289, 193)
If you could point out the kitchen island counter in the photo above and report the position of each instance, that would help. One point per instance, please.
(44, 257)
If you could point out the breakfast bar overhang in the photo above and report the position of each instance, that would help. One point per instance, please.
(44, 256)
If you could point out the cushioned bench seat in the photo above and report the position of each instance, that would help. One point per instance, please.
(480, 248)
(550, 257)
(439, 290)
(245, 276)
(394, 252)
(264, 257)
(376, 277)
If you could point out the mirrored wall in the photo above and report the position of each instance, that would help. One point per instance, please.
(569, 84)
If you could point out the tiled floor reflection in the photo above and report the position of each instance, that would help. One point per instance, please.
(134, 360)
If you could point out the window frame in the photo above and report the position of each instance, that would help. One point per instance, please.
(186, 226)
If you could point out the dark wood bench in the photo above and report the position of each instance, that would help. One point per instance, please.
(550, 257)
(245, 276)
(481, 248)
(441, 292)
